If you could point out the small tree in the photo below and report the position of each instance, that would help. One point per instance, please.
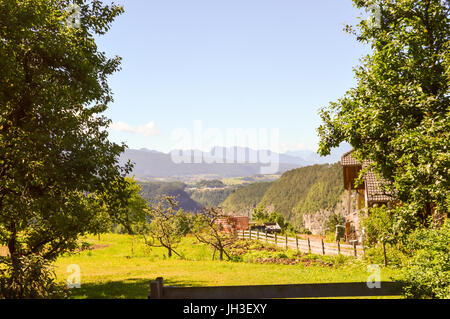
(209, 231)
(260, 214)
(162, 227)
(132, 209)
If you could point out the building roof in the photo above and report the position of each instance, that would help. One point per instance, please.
(348, 160)
(373, 183)
(374, 188)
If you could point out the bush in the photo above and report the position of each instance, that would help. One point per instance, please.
(427, 273)
(35, 279)
(333, 221)
(395, 257)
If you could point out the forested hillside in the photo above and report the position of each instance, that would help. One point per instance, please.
(151, 191)
(246, 197)
(305, 190)
(299, 191)
(210, 197)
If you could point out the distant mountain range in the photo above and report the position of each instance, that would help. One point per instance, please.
(219, 162)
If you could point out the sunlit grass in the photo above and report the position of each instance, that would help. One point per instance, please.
(126, 266)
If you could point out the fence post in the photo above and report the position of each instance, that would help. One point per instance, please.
(296, 241)
(276, 240)
(243, 233)
(266, 236)
(354, 248)
(339, 247)
(323, 247)
(286, 242)
(250, 232)
(257, 234)
(309, 246)
(156, 288)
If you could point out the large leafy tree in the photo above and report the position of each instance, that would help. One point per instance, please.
(398, 114)
(55, 158)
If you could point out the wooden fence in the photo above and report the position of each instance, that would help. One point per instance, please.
(306, 246)
(349, 289)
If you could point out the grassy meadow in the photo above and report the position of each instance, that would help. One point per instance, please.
(121, 266)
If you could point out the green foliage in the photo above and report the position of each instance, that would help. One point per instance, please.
(390, 224)
(210, 184)
(133, 210)
(395, 256)
(379, 225)
(305, 190)
(184, 223)
(35, 279)
(325, 193)
(398, 114)
(260, 214)
(333, 221)
(427, 273)
(210, 198)
(56, 161)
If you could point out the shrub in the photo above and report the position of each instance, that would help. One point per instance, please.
(333, 221)
(427, 273)
(34, 278)
(395, 257)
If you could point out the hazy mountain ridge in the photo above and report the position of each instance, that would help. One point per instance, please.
(153, 164)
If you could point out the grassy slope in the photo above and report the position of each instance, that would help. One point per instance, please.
(119, 272)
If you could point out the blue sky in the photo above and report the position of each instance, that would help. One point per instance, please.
(230, 64)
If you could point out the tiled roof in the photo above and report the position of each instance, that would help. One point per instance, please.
(348, 160)
(375, 193)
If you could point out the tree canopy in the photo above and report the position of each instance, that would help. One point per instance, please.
(398, 114)
(55, 158)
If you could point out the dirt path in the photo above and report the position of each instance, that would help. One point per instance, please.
(311, 237)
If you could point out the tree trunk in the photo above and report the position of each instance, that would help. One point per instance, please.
(15, 269)
(170, 252)
(221, 255)
(384, 255)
